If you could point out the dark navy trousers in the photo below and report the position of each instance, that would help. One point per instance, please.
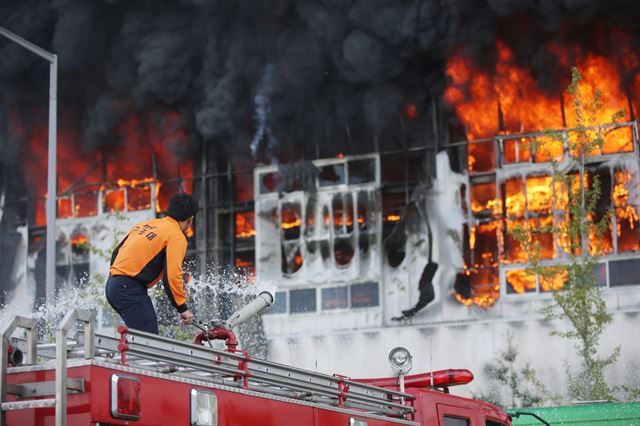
(130, 300)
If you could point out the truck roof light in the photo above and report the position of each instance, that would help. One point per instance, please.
(204, 408)
(400, 360)
(445, 378)
(440, 378)
(125, 397)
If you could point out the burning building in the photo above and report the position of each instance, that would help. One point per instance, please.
(369, 159)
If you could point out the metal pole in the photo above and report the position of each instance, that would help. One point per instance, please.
(52, 193)
(51, 176)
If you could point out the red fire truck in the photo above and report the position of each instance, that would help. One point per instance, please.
(134, 378)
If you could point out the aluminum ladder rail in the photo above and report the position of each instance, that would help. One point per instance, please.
(59, 401)
(236, 369)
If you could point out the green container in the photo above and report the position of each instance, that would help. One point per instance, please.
(597, 413)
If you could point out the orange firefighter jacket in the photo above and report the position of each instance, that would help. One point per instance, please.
(154, 250)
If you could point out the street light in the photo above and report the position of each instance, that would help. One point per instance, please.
(51, 175)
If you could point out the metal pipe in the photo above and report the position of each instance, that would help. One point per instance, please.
(263, 301)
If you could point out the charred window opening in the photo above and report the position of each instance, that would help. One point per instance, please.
(415, 168)
(342, 205)
(343, 251)
(243, 183)
(483, 199)
(139, 198)
(114, 200)
(516, 150)
(483, 287)
(343, 247)
(479, 284)
(332, 174)
(310, 228)
(392, 206)
(481, 156)
(617, 140)
(362, 171)
(627, 227)
(601, 244)
(290, 225)
(65, 207)
(393, 170)
(290, 221)
(79, 245)
(246, 260)
(291, 258)
(548, 149)
(366, 222)
(245, 224)
(86, 204)
(483, 242)
(521, 281)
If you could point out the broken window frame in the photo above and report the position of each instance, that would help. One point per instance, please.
(100, 198)
(539, 169)
(531, 167)
(348, 191)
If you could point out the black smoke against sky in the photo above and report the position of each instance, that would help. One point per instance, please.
(342, 70)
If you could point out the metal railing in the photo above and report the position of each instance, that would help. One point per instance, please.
(157, 354)
(62, 383)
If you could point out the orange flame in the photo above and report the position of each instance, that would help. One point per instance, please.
(508, 101)
(79, 239)
(245, 225)
(140, 145)
(292, 224)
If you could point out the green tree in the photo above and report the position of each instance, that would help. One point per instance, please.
(581, 229)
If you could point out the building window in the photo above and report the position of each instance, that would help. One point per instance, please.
(362, 171)
(364, 295)
(331, 175)
(279, 305)
(302, 300)
(335, 298)
(624, 272)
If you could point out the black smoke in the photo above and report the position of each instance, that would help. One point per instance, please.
(340, 68)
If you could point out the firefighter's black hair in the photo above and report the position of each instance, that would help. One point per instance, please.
(182, 206)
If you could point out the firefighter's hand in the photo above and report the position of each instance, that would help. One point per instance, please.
(187, 317)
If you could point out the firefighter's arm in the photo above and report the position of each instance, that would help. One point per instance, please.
(172, 280)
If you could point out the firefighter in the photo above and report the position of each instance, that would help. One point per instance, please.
(151, 251)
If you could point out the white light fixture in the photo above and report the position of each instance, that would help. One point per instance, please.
(400, 360)
(204, 408)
